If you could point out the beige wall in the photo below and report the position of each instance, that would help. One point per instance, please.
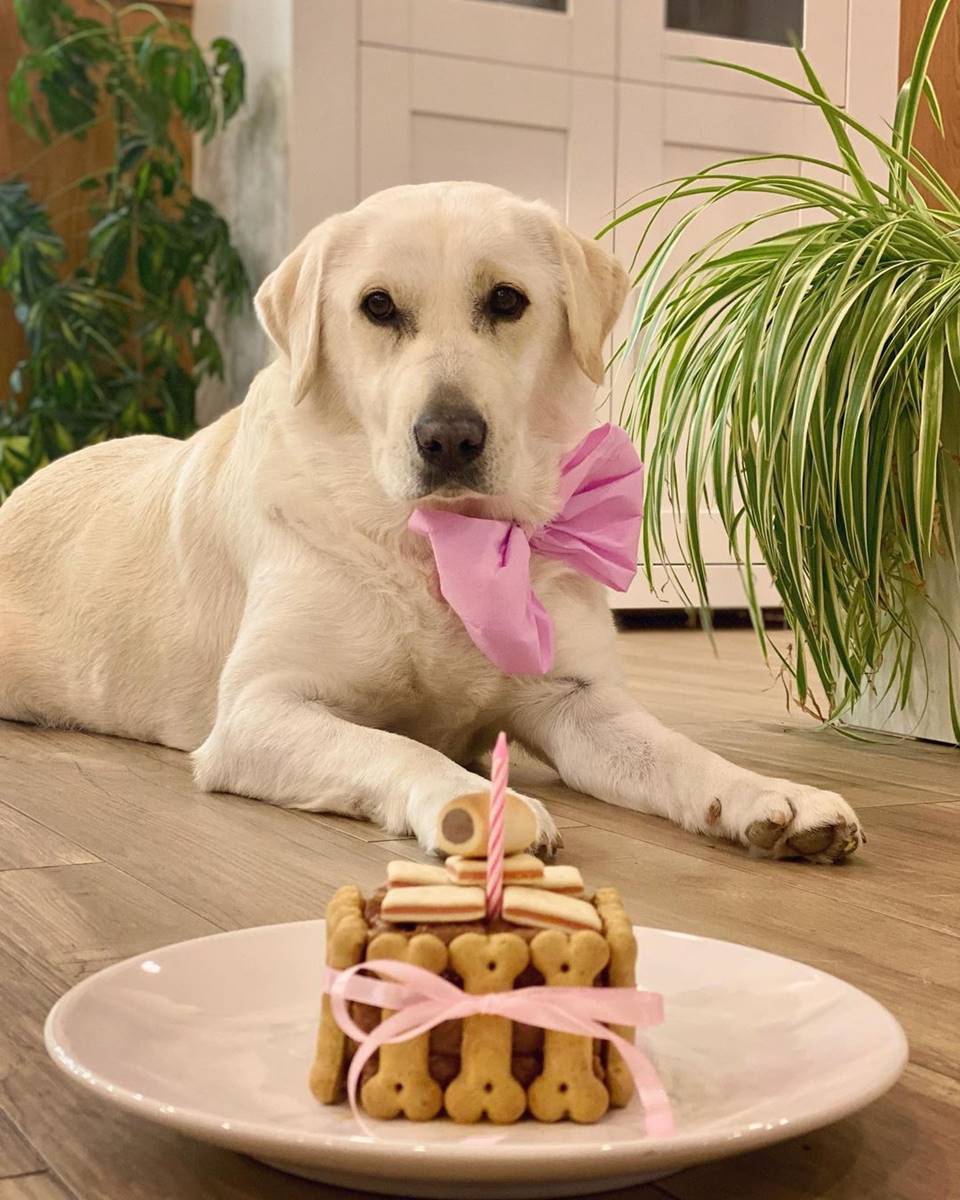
(245, 173)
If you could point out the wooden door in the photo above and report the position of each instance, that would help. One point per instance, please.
(943, 151)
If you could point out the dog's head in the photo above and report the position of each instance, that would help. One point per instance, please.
(461, 328)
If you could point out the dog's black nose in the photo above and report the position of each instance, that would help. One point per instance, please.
(449, 439)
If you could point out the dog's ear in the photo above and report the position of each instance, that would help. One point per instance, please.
(594, 289)
(288, 304)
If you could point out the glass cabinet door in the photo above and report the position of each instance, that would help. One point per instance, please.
(659, 37)
(773, 21)
(551, 5)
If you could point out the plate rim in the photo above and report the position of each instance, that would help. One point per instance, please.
(342, 1149)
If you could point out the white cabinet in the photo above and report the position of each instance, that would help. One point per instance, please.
(582, 103)
(664, 133)
(566, 35)
(544, 134)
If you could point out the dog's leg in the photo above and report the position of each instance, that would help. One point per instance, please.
(603, 743)
(277, 737)
(275, 745)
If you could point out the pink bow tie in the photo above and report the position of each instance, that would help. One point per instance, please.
(484, 565)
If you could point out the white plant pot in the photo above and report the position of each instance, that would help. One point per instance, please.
(927, 712)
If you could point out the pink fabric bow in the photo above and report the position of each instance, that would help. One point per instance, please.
(484, 565)
(422, 1000)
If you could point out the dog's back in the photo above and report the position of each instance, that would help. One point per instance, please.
(92, 626)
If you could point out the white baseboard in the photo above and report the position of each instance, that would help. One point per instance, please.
(724, 583)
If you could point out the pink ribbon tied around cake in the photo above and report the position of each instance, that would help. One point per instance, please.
(422, 1000)
(484, 564)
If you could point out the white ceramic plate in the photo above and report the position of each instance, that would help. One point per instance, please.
(214, 1037)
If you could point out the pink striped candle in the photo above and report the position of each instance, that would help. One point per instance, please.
(498, 800)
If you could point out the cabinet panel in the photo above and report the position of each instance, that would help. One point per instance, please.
(542, 134)
(524, 159)
(577, 36)
(664, 133)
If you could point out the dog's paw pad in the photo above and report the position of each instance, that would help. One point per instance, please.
(830, 843)
(812, 841)
(779, 819)
(765, 834)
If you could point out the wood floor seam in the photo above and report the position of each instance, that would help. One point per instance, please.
(180, 903)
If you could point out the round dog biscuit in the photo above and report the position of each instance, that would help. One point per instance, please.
(464, 824)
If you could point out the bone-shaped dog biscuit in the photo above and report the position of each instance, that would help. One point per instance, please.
(464, 823)
(485, 1084)
(345, 901)
(622, 972)
(346, 937)
(568, 1085)
(402, 1083)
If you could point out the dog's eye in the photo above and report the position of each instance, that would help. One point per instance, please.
(506, 303)
(379, 307)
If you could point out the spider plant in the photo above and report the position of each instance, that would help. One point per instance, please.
(805, 386)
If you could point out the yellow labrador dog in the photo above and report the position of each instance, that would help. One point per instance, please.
(253, 594)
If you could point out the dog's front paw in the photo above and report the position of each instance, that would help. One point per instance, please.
(779, 819)
(549, 838)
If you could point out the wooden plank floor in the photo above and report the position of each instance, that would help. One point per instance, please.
(106, 851)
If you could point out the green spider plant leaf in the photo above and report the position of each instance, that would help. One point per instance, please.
(796, 387)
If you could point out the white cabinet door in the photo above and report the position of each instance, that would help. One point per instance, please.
(685, 116)
(570, 35)
(543, 134)
(657, 37)
(669, 132)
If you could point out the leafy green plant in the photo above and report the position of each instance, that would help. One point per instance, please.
(802, 385)
(119, 340)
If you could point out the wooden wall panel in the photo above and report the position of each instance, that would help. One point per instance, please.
(943, 152)
(49, 173)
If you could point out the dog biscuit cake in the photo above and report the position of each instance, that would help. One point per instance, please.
(545, 933)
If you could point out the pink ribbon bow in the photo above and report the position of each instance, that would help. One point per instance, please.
(484, 565)
(422, 1000)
